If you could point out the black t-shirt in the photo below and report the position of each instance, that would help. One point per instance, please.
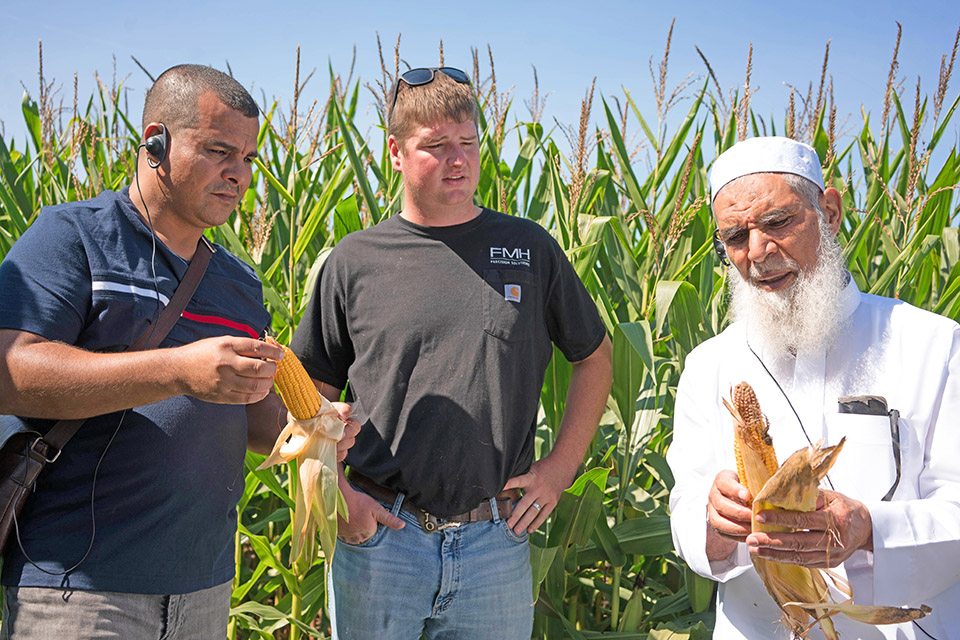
(444, 334)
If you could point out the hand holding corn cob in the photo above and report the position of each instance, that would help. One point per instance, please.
(822, 538)
(729, 515)
(311, 437)
(801, 592)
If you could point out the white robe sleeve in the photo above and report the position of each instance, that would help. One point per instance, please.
(917, 542)
(695, 457)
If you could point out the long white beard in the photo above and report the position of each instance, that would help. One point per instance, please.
(806, 314)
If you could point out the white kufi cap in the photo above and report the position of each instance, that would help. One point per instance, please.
(770, 154)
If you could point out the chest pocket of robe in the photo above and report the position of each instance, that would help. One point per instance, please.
(511, 304)
(866, 468)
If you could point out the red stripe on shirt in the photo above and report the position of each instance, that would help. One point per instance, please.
(221, 321)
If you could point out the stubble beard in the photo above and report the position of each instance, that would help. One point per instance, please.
(807, 314)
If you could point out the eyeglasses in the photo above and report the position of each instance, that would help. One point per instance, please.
(425, 75)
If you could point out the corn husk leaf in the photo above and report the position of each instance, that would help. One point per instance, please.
(802, 594)
(313, 444)
(795, 486)
(863, 613)
(796, 483)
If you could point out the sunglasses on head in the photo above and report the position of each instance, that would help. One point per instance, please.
(425, 75)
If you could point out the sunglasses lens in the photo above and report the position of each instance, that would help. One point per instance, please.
(456, 74)
(417, 77)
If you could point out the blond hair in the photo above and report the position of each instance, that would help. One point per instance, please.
(442, 99)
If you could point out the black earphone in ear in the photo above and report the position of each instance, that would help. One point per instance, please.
(156, 146)
(720, 249)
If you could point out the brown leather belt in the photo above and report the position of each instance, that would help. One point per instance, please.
(429, 522)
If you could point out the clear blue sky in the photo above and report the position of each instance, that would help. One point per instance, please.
(568, 42)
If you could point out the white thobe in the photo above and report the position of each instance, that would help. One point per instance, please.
(888, 348)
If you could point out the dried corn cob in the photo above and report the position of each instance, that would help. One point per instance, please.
(754, 435)
(801, 593)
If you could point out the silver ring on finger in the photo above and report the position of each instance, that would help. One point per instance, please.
(537, 507)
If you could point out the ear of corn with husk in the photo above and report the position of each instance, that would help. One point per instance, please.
(802, 594)
(311, 439)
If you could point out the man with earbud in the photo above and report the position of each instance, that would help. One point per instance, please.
(827, 362)
(130, 532)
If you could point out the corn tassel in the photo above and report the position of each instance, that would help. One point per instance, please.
(311, 438)
(802, 594)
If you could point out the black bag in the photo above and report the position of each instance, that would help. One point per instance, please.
(24, 452)
(23, 455)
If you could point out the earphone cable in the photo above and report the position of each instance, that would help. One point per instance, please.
(787, 398)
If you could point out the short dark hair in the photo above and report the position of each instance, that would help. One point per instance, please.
(172, 99)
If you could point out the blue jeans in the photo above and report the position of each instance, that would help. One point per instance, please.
(471, 582)
(40, 613)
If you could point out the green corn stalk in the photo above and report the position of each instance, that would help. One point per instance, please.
(637, 235)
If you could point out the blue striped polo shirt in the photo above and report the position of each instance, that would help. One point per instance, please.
(167, 488)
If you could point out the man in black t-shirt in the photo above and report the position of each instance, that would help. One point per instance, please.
(442, 319)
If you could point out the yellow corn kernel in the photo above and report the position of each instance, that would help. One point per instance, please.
(294, 385)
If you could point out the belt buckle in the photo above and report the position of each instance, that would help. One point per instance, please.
(430, 524)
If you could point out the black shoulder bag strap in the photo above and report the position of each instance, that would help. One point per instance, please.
(63, 430)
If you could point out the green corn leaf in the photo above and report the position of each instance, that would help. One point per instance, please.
(941, 128)
(606, 542)
(255, 610)
(643, 536)
(267, 554)
(553, 395)
(623, 160)
(666, 607)
(575, 517)
(346, 218)
(540, 560)
(675, 631)
(657, 465)
(289, 199)
(267, 477)
(643, 123)
(632, 362)
(359, 168)
(31, 116)
(699, 590)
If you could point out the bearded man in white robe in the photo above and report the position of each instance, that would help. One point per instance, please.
(826, 362)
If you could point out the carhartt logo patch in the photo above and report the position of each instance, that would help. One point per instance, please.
(511, 292)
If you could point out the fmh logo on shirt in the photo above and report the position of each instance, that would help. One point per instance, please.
(513, 257)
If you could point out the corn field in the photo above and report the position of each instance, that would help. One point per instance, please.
(626, 196)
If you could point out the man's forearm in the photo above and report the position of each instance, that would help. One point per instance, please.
(587, 393)
(718, 547)
(265, 420)
(44, 379)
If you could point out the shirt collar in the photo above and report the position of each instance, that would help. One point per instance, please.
(850, 297)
